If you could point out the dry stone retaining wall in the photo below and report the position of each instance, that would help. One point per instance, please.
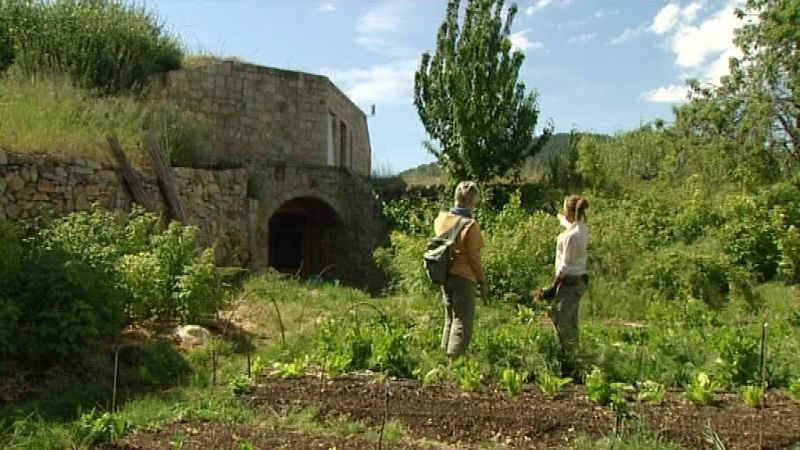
(32, 186)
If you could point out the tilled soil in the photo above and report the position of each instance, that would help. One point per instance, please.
(444, 417)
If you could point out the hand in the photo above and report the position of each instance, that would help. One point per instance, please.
(545, 293)
(485, 293)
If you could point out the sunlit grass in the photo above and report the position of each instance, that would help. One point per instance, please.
(50, 115)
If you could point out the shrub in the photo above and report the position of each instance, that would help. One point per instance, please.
(402, 260)
(519, 250)
(108, 45)
(65, 306)
(164, 276)
(679, 272)
(11, 275)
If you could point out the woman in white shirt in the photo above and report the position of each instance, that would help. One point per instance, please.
(571, 278)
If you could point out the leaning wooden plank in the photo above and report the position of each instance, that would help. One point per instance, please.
(129, 174)
(165, 178)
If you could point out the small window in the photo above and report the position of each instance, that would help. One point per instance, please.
(331, 139)
(343, 145)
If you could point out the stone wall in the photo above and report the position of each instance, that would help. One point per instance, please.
(263, 115)
(32, 186)
(346, 246)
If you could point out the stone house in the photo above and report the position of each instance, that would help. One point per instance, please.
(306, 149)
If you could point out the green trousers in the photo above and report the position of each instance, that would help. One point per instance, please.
(565, 311)
(458, 296)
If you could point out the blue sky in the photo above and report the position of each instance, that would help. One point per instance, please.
(598, 65)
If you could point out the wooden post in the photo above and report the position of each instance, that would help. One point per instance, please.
(165, 178)
(129, 174)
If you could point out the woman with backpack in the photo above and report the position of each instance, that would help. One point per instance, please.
(466, 272)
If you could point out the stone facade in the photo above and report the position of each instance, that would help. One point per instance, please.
(306, 148)
(301, 204)
(266, 115)
(33, 186)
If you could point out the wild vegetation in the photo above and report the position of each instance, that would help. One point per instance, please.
(73, 72)
(693, 300)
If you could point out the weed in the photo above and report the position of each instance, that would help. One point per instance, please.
(550, 384)
(753, 396)
(95, 428)
(512, 381)
(651, 392)
(597, 388)
(794, 389)
(241, 384)
(469, 375)
(701, 390)
(294, 369)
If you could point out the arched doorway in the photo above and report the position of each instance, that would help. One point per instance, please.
(299, 236)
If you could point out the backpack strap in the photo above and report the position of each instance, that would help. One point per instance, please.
(454, 231)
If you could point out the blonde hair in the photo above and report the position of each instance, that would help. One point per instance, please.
(467, 194)
(577, 206)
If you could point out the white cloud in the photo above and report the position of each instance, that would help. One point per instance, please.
(541, 4)
(327, 7)
(381, 84)
(628, 34)
(695, 45)
(583, 38)
(666, 19)
(521, 42)
(381, 29)
(690, 12)
(702, 44)
(666, 94)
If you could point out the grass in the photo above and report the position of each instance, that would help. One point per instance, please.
(51, 115)
(48, 114)
(157, 395)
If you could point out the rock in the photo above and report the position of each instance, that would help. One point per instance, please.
(192, 335)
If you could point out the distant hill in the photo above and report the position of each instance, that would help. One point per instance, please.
(557, 145)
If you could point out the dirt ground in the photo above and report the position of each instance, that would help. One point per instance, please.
(444, 417)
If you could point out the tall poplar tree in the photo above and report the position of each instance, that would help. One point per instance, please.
(479, 117)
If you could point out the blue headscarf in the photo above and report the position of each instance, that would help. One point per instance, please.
(461, 211)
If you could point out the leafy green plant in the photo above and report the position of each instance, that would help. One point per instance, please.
(597, 388)
(794, 389)
(294, 369)
(701, 390)
(434, 376)
(241, 384)
(258, 368)
(161, 272)
(469, 375)
(550, 384)
(651, 392)
(391, 353)
(512, 381)
(752, 396)
(617, 397)
(95, 427)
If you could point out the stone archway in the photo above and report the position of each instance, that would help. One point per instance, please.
(301, 236)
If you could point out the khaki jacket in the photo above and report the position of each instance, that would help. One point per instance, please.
(467, 249)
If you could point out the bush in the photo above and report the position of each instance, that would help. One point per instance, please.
(519, 251)
(11, 276)
(162, 272)
(108, 45)
(678, 272)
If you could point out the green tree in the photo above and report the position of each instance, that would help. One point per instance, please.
(469, 98)
(754, 113)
